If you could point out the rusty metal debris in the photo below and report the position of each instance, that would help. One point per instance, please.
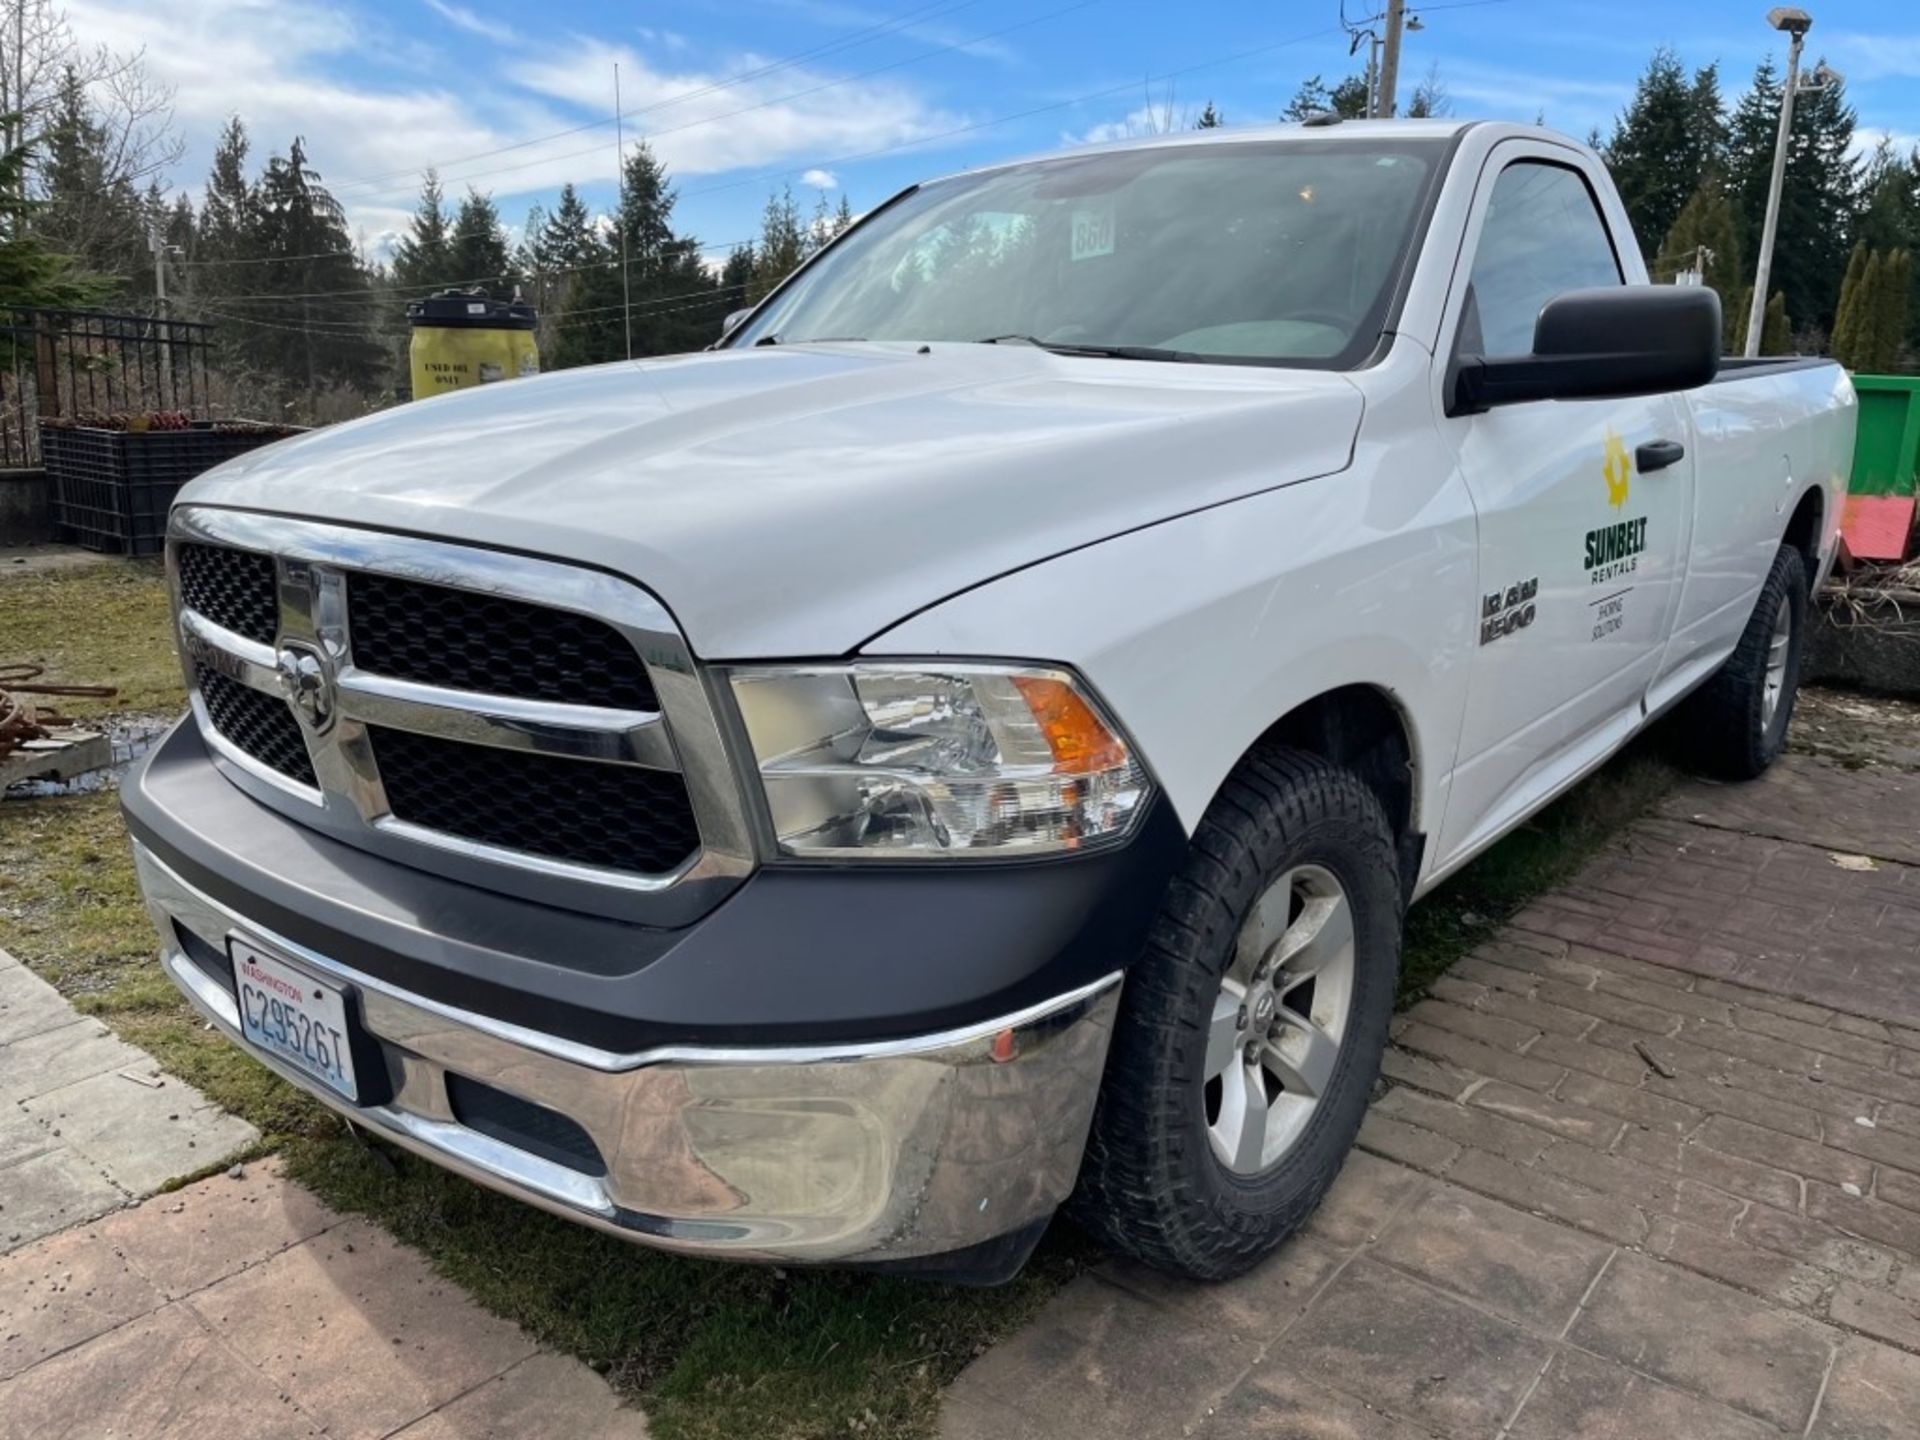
(38, 741)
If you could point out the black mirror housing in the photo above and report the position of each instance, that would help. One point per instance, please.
(1610, 343)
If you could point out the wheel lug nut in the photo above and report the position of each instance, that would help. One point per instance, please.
(1253, 1054)
(1240, 1021)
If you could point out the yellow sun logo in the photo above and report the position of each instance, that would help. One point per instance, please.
(1618, 468)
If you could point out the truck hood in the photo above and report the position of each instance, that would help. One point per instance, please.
(794, 501)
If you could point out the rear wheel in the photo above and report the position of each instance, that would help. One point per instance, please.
(1251, 1030)
(1735, 725)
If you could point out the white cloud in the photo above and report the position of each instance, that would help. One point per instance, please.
(462, 18)
(376, 113)
(820, 179)
(1151, 119)
(1875, 57)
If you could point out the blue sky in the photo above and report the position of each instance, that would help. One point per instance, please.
(863, 96)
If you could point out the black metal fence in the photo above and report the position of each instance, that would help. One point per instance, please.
(56, 363)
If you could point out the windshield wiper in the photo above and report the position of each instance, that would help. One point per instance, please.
(1109, 352)
(775, 338)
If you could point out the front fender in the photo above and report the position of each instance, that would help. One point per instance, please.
(1202, 631)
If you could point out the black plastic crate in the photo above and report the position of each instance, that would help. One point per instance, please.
(111, 488)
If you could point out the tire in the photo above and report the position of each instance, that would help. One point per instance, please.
(1734, 726)
(1156, 1183)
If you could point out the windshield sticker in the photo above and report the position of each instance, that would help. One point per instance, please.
(1092, 233)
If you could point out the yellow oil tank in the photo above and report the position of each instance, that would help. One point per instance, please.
(463, 338)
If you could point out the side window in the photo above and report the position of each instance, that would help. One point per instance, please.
(1543, 235)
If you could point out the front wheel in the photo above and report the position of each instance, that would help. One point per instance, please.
(1250, 1031)
(1735, 726)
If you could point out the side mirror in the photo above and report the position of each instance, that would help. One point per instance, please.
(728, 325)
(1610, 343)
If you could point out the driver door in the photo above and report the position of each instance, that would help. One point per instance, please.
(1580, 552)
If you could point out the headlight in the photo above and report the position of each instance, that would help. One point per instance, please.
(894, 760)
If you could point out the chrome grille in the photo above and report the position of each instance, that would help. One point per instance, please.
(540, 730)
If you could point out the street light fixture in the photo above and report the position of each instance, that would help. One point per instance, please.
(1795, 23)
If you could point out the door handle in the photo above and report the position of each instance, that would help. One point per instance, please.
(1658, 455)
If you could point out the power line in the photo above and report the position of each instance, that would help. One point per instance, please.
(1127, 87)
(918, 15)
(651, 135)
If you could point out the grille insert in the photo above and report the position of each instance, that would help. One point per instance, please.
(235, 589)
(463, 640)
(523, 1125)
(616, 816)
(257, 723)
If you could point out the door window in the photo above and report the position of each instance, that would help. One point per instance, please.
(1543, 236)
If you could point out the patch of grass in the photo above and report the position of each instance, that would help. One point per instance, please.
(104, 624)
(1546, 851)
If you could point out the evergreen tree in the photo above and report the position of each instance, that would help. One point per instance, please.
(736, 278)
(1882, 320)
(31, 273)
(89, 209)
(1776, 331)
(1348, 98)
(1666, 143)
(1209, 119)
(1430, 97)
(782, 246)
(423, 257)
(843, 216)
(1846, 321)
(478, 253)
(1819, 195)
(1706, 223)
(316, 326)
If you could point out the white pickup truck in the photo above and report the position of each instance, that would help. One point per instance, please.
(968, 742)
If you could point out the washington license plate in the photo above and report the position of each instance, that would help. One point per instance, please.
(293, 1017)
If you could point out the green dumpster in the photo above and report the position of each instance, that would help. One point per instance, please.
(1886, 455)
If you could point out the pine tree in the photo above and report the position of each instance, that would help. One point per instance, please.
(736, 278)
(1348, 98)
(1882, 317)
(1819, 195)
(31, 273)
(1430, 96)
(477, 250)
(1665, 144)
(423, 257)
(322, 331)
(1776, 333)
(781, 247)
(1209, 119)
(1707, 222)
(843, 216)
(88, 208)
(1846, 323)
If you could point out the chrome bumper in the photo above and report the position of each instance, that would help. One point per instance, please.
(894, 1151)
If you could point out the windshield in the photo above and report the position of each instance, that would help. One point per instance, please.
(1283, 252)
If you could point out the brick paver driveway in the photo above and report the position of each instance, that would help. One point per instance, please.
(1648, 1165)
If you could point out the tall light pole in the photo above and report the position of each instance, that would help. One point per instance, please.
(1796, 23)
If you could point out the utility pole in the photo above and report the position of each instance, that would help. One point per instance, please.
(1796, 23)
(1390, 58)
(159, 244)
(620, 172)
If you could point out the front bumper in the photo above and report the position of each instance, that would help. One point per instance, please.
(888, 1153)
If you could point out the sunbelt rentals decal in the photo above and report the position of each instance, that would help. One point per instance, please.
(1613, 550)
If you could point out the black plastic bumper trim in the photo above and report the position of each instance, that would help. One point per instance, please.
(794, 956)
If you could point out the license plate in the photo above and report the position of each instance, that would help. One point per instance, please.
(293, 1017)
